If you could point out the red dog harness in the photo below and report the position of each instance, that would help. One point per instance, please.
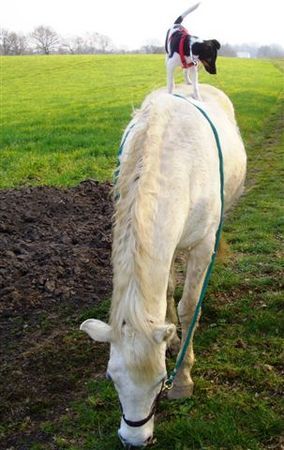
(185, 64)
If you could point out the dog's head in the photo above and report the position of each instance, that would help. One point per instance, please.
(207, 52)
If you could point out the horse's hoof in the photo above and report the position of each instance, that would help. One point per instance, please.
(180, 391)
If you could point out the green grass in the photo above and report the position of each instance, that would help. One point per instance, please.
(62, 116)
(63, 121)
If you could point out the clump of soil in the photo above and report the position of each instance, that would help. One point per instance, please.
(55, 247)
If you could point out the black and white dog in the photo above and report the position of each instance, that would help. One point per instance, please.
(188, 51)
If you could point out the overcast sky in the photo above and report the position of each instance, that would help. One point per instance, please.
(132, 23)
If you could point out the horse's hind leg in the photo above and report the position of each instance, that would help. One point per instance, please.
(174, 344)
(198, 261)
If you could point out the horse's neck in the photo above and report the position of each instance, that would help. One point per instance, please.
(140, 254)
(140, 278)
(155, 278)
(141, 290)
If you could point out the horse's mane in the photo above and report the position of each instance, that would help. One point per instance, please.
(137, 187)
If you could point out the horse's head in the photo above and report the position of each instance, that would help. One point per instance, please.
(137, 368)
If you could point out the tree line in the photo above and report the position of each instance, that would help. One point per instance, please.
(253, 50)
(44, 40)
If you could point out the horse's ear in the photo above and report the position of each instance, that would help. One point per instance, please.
(164, 333)
(97, 330)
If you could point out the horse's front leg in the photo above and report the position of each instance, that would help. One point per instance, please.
(197, 265)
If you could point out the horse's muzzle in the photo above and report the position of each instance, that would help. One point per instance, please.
(128, 446)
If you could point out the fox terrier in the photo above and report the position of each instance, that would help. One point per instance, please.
(188, 51)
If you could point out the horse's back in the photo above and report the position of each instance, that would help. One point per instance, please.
(190, 128)
(181, 167)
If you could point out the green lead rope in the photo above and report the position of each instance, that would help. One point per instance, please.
(119, 153)
(117, 169)
(180, 358)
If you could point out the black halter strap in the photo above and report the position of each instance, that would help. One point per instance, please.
(140, 423)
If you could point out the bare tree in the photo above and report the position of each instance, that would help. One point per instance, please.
(270, 51)
(5, 43)
(90, 43)
(227, 50)
(73, 45)
(152, 46)
(151, 49)
(12, 43)
(103, 43)
(45, 39)
(18, 44)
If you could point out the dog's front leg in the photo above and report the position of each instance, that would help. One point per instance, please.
(170, 76)
(186, 76)
(194, 78)
(172, 63)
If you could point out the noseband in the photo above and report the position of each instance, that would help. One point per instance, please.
(140, 423)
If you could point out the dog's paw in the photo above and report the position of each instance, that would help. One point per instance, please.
(197, 97)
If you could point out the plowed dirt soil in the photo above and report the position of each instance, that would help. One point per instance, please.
(55, 247)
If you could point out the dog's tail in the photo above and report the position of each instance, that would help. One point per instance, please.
(188, 11)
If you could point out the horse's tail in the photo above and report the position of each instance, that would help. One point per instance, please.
(188, 11)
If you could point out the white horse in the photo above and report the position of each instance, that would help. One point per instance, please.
(168, 199)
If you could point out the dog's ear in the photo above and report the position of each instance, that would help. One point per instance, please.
(217, 44)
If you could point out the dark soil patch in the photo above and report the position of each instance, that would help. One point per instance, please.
(55, 247)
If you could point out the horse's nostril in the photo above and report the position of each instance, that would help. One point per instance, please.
(124, 442)
(150, 441)
(128, 446)
(108, 377)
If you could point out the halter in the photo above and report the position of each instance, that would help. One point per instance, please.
(140, 423)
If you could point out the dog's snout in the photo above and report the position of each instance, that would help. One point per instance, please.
(210, 69)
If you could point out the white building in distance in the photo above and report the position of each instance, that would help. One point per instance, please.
(243, 54)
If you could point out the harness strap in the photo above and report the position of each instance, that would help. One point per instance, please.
(184, 34)
(184, 64)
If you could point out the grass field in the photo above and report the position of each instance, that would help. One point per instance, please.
(62, 118)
